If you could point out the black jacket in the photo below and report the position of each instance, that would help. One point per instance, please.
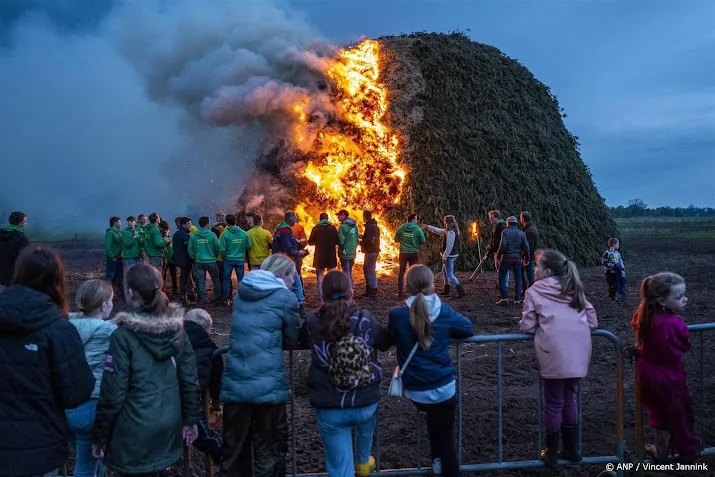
(532, 238)
(496, 235)
(43, 371)
(11, 244)
(513, 246)
(209, 369)
(371, 238)
(180, 242)
(325, 238)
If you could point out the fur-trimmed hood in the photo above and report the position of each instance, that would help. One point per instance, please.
(159, 334)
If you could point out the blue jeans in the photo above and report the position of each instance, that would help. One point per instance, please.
(347, 265)
(369, 269)
(335, 426)
(228, 267)
(448, 271)
(128, 262)
(504, 269)
(319, 274)
(115, 273)
(212, 269)
(80, 421)
(529, 274)
(298, 288)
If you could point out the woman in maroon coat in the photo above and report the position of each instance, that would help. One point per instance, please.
(661, 338)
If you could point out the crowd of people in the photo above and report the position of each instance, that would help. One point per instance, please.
(124, 389)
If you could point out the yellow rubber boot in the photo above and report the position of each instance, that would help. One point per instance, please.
(363, 470)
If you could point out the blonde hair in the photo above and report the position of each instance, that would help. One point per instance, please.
(201, 317)
(653, 289)
(568, 275)
(278, 264)
(420, 282)
(91, 295)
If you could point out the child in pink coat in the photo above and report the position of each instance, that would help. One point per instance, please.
(661, 339)
(556, 310)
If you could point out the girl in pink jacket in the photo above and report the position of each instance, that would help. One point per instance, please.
(556, 310)
(661, 339)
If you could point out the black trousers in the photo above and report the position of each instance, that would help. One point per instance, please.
(440, 427)
(171, 268)
(406, 260)
(612, 281)
(187, 280)
(255, 439)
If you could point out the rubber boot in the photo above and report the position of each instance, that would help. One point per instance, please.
(569, 450)
(445, 292)
(550, 453)
(363, 470)
(460, 292)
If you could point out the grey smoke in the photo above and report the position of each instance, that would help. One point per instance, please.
(165, 107)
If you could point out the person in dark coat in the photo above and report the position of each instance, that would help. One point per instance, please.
(324, 237)
(180, 243)
(498, 226)
(42, 364)
(12, 241)
(197, 324)
(512, 252)
(370, 246)
(532, 238)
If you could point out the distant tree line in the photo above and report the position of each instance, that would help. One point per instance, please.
(638, 208)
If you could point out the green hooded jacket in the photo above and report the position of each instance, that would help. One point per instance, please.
(14, 228)
(234, 244)
(142, 233)
(149, 392)
(348, 235)
(203, 246)
(132, 246)
(113, 243)
(169, 250)
(153, 241)
(410, 236)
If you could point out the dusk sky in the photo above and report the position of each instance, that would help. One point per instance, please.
(636, 79)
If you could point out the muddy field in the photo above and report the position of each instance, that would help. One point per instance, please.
(687, 248)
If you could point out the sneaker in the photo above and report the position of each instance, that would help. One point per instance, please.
(503, 301)
(437, 466)
(517, 302)
(363, 470)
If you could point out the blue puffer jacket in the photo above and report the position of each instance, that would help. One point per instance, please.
(431, 368)
(94, 334)
(265, 321)
(513, 246)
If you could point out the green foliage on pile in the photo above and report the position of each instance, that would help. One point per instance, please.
(481, 133)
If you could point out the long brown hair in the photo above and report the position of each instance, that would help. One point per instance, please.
(334, 314)
(566, 271)
(146, 281)
(41, 269)
(654, 288)
(420, 282)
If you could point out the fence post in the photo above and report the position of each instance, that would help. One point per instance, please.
(208, 463)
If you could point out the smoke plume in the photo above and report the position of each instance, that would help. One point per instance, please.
(161, 106)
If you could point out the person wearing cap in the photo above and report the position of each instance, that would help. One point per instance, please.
(513, 250)
(348, 235)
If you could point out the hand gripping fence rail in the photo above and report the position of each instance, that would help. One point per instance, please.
(500, 464)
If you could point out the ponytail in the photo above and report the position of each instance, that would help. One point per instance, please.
(420, 282)
(334, 315)
(567, 273)
(146, 281)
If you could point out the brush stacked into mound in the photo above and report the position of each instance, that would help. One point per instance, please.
(481, 133)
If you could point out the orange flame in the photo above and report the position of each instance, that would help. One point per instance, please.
(356, 168)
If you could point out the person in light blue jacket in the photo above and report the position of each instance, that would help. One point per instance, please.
(94, 300)
(265, 321)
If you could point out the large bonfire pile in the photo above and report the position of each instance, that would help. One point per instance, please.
(437, 124)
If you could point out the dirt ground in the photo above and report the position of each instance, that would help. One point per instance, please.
(644, 254)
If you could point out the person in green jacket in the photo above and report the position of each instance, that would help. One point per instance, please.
(154, 243)
(203, 250)
(167, 262)
(149, 402)
(348, 236)
(113, 245)
(233, 247)
(131, 242)
(141, 227)
(410, 237)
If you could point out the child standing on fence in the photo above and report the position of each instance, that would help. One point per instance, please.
(94, 299)
(422, 329)
(556, 310)
(615, 270)
(661, 339)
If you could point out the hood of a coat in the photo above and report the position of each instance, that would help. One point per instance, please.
(158, 334)
(87, 327)
(234, 230)
(434, 305)
(203, 233)
(198, 337)
(9, 232)
(549, 288)
(350, 222)
(24, 310)
(410, 227)
(258, 284)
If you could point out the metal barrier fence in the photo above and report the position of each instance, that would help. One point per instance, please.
(478, 467)
(639, 441)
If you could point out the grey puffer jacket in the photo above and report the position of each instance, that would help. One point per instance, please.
(513, 245)
(265, 321)
(94, 334)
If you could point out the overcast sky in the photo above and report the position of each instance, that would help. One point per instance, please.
(636, 79)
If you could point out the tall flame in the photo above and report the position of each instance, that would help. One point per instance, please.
(356, 167)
